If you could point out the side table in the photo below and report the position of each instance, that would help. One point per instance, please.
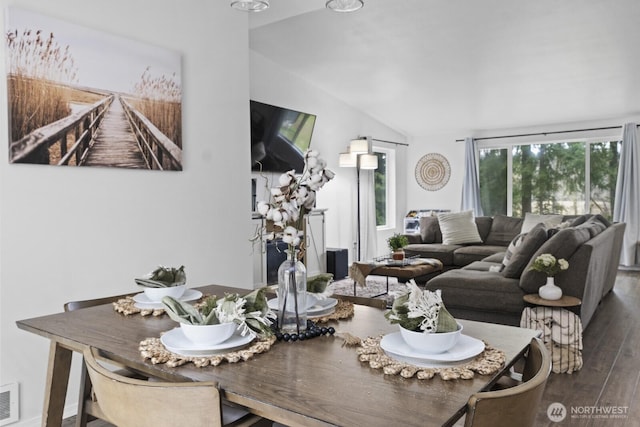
(561, 329)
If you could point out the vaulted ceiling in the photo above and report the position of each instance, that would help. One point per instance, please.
(430, 66)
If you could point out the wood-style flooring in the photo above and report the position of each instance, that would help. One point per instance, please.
(609, 380)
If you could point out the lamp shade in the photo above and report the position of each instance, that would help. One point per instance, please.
(368, 161)
(344, 5)
(348, 160)
(250, 5)
(359, 146)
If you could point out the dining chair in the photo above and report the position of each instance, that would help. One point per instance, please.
(131, 402)
(371, 302)
(87, 411)
(517, 405)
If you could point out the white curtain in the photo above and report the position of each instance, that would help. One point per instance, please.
(627, 204)
(368, 231)
(471, 185)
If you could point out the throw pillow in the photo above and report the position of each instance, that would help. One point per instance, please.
(458, 228)
(523, 253)
(530, 220)
(503, 230)
(562, 245)
(511, 250)
(483, 224)
(595, 225)
(430, 230)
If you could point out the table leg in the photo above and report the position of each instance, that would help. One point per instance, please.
(56, 386)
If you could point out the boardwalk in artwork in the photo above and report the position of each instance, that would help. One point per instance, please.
(115, 144)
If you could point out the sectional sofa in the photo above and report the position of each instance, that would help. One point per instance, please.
(486, 275)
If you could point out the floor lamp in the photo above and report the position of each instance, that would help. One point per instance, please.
(360, 156)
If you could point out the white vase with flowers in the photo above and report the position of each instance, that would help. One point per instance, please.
(549, 265)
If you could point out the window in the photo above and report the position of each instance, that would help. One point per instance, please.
(493, 181)
(570, 178)
(383, 183)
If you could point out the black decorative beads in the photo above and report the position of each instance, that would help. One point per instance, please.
(313, 330)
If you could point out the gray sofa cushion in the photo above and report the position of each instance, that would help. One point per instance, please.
(430, 230)
(503, 230)
(432, 250)
(561, 245)
(468, 254)
(478, 290)
(523, 253)
(497, 257)
(483, 265)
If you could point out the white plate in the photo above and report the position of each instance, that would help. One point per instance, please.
(175, 341)
(143, 302)
(321, 308)
(466, 348)
(321, 313)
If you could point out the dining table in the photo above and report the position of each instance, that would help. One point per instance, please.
(315, 382)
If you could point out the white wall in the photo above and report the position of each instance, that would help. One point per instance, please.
(449, 196)
(73, 233)
(336, 124)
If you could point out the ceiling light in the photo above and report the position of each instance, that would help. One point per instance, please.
(344, 5)
(250, 5)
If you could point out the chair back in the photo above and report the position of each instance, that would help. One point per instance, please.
(77, 305)
(514, 406)
(128, 402)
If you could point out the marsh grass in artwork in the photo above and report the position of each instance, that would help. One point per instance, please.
(37, 68)
(158, 98)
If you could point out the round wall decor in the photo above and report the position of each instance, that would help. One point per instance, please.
(433, 171)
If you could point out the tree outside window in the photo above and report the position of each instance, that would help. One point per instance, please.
(380, 183)
(550, 178)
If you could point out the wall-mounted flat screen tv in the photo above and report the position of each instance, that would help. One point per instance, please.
(279, 137)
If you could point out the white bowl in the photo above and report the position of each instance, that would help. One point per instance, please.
(156, 294)
(310, 301)
(431, 343)
(208, 334)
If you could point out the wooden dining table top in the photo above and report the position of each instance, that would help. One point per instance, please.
(314, 382)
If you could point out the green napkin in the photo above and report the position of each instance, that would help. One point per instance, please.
(183, 312)
(164, 277)
(318, 283)
(446, 322)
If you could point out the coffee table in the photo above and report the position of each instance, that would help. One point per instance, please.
(405, 270)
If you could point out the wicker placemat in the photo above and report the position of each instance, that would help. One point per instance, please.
(488, 362)
(153, 349)
(127, 307)
(344, 310)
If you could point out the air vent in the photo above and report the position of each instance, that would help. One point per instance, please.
(8, 404)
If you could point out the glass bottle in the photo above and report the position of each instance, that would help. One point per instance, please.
(292, 294)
